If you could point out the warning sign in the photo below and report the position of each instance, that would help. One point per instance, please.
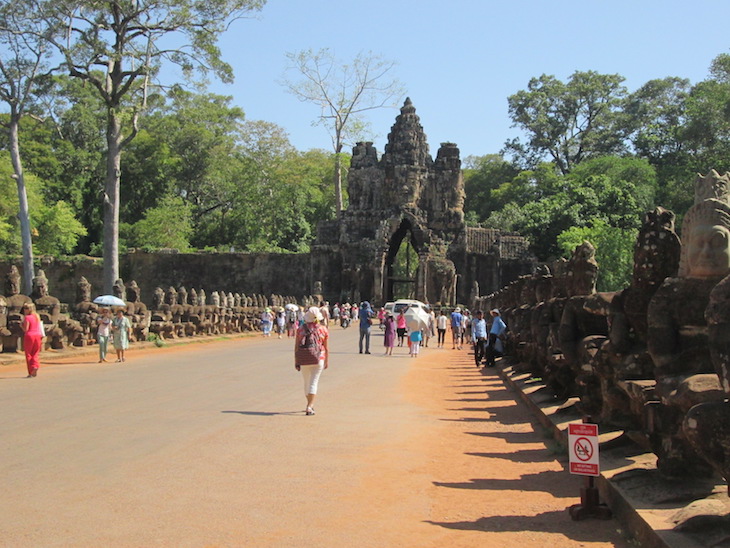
(583, 447)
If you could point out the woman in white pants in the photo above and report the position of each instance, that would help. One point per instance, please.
(311, 353)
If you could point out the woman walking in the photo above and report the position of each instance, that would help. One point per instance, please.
(103, 330)
(311, 353)
(389, 338)
(402, 328)
(120, 334)
(32, 338)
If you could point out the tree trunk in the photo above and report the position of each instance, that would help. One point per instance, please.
(23, 213)
(111, 201)
(338, 184)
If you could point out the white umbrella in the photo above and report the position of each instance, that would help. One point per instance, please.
(291, 306)
(109, 300)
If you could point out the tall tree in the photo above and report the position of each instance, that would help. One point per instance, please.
(23, 55)
(568, 122)
(343, 92)
(117, 47)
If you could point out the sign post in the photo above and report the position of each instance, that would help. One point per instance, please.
(584, 461)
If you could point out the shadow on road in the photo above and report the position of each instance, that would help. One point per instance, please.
(265, 413)
(546, 522)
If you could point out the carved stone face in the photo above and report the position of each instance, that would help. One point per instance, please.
(709, 251)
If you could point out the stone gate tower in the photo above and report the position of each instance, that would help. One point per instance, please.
(407, 194)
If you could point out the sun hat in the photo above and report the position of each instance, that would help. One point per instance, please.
(457, 309)
(495, 310)
(313, 315)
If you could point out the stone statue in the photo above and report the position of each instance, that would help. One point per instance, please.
(14, 302)
(49, 309)
(677, 329)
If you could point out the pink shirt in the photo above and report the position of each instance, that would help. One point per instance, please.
(34, 325)
(401, 321)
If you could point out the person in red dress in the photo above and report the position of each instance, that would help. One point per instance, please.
(32, 339)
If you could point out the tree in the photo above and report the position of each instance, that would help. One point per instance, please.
(117, 47)
(483, 175)
(568, 122)
(614, 251)
(167, 225)
(343, 92)
(23, 56)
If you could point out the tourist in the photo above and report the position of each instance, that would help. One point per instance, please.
(311, 354)
(381, 317)
(457, 328)
(336, 313)
(103, 331)
(121, 328)
(497, 334)
(280, 322)
(389, 335)
(479, 337)
(32, 327)
(366, 321)
(402, 328)
(430, 329)
(442, 322)
(324, 310)
(267, 319)
(415, 342)
(291, 322)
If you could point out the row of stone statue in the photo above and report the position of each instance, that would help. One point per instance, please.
(652, 359)
(174, 312)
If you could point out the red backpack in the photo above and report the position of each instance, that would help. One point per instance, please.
(309, 349)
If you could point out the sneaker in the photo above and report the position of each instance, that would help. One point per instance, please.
(310, 411)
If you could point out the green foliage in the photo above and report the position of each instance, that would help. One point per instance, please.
(541, 204)
(169, 225)
(58, 229)
(569, 122)
(614, 251)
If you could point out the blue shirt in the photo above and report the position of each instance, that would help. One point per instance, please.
(479, 329)
(456, 319)
(498, 326)
(416, 336)
(366, 313)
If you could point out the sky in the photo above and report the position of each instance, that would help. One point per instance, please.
(459, 60)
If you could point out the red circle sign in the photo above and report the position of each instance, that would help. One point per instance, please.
(583, 449)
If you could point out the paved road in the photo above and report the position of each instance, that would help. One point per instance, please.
(206, 446)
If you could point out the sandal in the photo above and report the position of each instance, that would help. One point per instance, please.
(310, 411)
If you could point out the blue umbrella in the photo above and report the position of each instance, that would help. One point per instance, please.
(109, 300)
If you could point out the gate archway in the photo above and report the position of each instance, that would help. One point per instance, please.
(402, 264)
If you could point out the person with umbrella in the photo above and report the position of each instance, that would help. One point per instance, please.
(121, 328)
(103, 330)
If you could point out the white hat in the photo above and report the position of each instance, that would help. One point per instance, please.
(457, 309)
(313, 315)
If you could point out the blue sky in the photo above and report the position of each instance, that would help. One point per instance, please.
(460, 60)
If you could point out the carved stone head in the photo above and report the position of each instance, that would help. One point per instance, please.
(118, 289)
(40, 285)
(133, 292)
(706, 240)
(712, 186)
(83, 290)
(12, 282)
(656, 251)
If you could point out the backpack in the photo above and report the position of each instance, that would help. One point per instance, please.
(309, 349)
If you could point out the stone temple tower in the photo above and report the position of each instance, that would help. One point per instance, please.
(408, 194)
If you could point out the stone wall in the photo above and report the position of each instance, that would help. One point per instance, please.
(249, 273)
